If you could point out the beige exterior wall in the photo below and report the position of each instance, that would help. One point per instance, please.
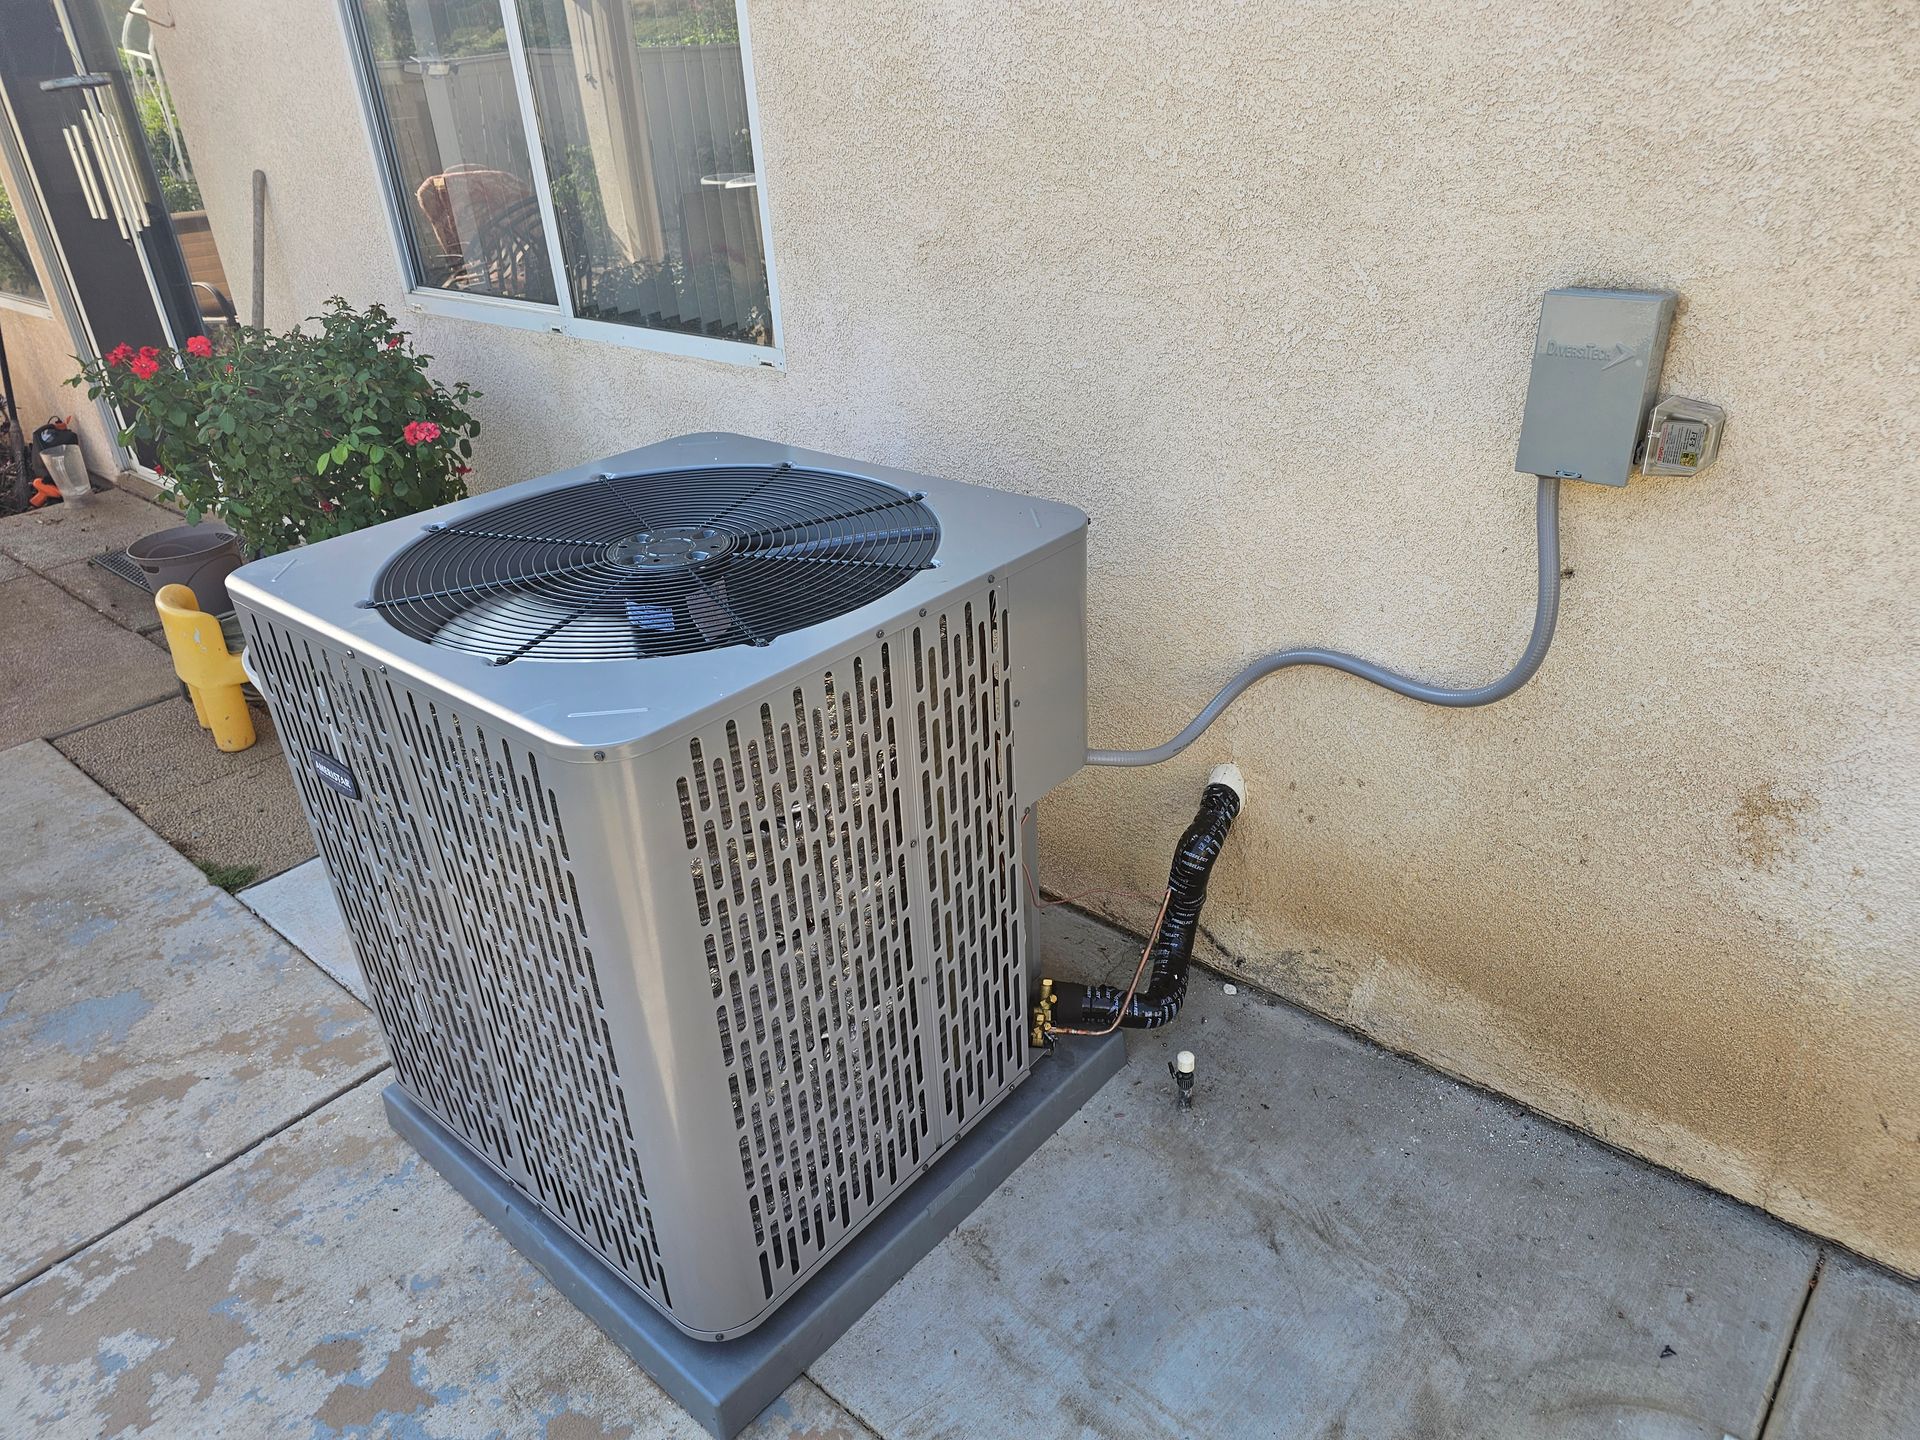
(40, 355)
(1255, 286)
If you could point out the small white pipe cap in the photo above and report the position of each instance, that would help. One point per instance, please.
(1183, 1062)
(1229, 775)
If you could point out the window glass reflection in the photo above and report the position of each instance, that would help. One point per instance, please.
(132, 36)
(17, 277)
(445, 81)
(643, 125)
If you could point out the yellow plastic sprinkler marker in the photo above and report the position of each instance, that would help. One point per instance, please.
(212, 674)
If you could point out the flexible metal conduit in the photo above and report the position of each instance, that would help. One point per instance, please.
(1546, 610)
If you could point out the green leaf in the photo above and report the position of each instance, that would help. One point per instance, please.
(373, 484)
(320, 465)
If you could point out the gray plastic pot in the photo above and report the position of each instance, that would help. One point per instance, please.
(197, 556)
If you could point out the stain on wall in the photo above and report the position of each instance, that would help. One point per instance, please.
(1766, 823)
(1255, 286)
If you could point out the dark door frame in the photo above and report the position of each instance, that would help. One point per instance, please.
(85, 156)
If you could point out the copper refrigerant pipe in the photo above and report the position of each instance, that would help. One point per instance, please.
(1067, 1008)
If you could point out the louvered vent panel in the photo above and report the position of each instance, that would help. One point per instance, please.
(962, 718)
(798, 847)
(455, 882)
(388, 891)
(852, 850)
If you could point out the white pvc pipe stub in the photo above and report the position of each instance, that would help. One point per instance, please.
(1228, 774)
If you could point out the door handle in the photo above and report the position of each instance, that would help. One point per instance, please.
(92, 81)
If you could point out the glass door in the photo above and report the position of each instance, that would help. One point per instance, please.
(74, 118)
(126, 41)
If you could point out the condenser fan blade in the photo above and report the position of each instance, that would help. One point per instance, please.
(663, 563)
(861, 547)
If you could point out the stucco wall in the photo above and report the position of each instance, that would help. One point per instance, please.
(40, 355)
(1255, 286)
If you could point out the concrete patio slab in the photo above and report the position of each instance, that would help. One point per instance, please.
(10, 569)
(300, 905)
(239, 821)
(227, 810)
(152, 1027)
(160, 749)
(121, 601)
(1333, 1242)
(1855, 1371)
(329, 1284)
(64, 666)
(724, 1385)
(45, 539)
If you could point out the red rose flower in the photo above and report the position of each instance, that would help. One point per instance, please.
(144, 365)
(393, 342)
(326, 507)
(229, 367)
(420, 432)
(463, 469)
(199, 345)
(120, 354)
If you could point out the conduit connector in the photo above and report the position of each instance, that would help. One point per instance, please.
(1181, 1068)
(1043, 1013)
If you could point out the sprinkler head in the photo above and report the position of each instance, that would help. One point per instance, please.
(1181, 1068)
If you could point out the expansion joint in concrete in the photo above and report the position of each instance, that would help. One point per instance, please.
(1793, 1340)
(212, 1167)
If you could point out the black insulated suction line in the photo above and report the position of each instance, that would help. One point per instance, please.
(1094, 1006)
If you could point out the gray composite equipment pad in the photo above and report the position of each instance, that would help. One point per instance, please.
(725, 1384)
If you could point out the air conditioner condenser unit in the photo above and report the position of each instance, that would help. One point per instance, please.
(674, 805)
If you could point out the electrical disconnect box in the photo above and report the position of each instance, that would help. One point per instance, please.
(1596, 366)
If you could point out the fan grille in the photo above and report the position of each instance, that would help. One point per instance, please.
(622, 567)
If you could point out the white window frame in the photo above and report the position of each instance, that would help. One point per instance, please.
(558, 318)
(39, 309)
(31, 231)
(35, 234)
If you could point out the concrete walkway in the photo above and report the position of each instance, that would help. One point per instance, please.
(214, 1233)
(83, 665)
(73, 653)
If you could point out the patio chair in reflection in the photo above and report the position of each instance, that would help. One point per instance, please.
(487, 225)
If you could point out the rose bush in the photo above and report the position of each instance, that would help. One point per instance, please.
(295, 436)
